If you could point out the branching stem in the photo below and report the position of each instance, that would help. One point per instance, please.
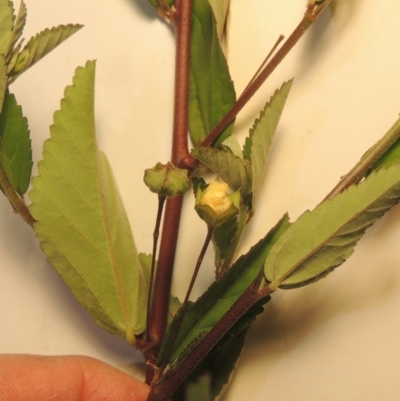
(182, 310)
(182, 159)
(255, 84)
(166, 388)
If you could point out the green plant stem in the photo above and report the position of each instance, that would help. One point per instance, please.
(164, 390)
(15, 199)
(182, 310)
(256, 83)
(358, 172)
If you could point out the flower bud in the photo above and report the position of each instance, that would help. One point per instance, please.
(167, 180)
(215, 206)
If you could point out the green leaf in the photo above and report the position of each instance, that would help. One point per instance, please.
(258, 144)
(211, 91)
(81, 222)
(40, 45)
(392, 155)
(199, 390)
(19, 24)
(323, 239)
(227, 242)
(7, 18)
(155, 3)
(223, 237)
(220, 9)
(236, 172)
(3, 79)
(15, 145)
(233, 145)
(220, 363)
(203, 314)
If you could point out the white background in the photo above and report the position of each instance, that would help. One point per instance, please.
(338, 339)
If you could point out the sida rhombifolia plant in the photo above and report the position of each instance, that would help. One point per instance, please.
(191, 347)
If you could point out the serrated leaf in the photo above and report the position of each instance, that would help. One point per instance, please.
(203, 314)
(220, 9)
(233, 145)
(19, 24)
(40, 45)
(221, 362)
(211, 91)
(236, 172)
(15, 145)
(323, 239)
(81, 222)
(6, 26)
(258, 145)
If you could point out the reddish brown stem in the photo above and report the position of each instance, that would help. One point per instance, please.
(185, 302)
(180, 158)
(163, 280)
(305, 23)
(180, 151)
(167, 387)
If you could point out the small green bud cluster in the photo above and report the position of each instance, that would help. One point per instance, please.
(166, 180)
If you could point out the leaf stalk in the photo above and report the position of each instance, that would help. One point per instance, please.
(15, 199)
(256, 83)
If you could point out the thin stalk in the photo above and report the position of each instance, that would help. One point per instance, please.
(180, 158)
(271, 52)
(163, 277)
(182, 310)
(255, 85)
(156, 234)
(164, 390)
(358, 172)
(15, 199)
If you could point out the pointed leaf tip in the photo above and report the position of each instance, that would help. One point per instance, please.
(81, 222)
(319, 241)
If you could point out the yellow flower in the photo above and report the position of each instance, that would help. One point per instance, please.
(215, 206)
(216, 197)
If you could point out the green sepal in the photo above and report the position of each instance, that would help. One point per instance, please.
(166, 180)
